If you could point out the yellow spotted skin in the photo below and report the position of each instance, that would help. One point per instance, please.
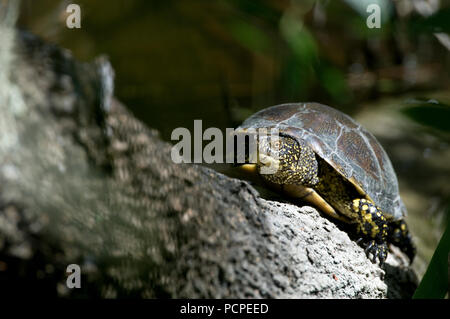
(373, 223)
(297, 162)
(299, 165)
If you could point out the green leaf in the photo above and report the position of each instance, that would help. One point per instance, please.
(438, 22)
(250, 36)
(434, 283)
(299, 39)
(430, 113)
(298, 70)
(333, 80)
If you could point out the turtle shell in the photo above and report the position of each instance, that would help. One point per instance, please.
(343, 143)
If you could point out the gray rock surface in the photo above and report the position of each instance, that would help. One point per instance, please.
(83, 181)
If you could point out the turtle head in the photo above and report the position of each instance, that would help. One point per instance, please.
(284, 160)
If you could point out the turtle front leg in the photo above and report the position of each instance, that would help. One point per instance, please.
(400, 237)
(373, 225)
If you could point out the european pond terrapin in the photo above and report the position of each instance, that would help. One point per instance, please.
(327, 159)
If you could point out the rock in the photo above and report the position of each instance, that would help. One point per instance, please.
(84, 182)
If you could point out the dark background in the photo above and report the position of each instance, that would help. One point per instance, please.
(220, 61)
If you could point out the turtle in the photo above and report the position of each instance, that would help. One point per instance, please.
(323, 157)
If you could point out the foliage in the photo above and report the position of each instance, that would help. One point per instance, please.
(435, 283)
(438, 22)
(429, 112)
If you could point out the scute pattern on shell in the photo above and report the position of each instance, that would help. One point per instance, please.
(343, 143)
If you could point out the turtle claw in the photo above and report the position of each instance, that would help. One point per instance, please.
(376, 251)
